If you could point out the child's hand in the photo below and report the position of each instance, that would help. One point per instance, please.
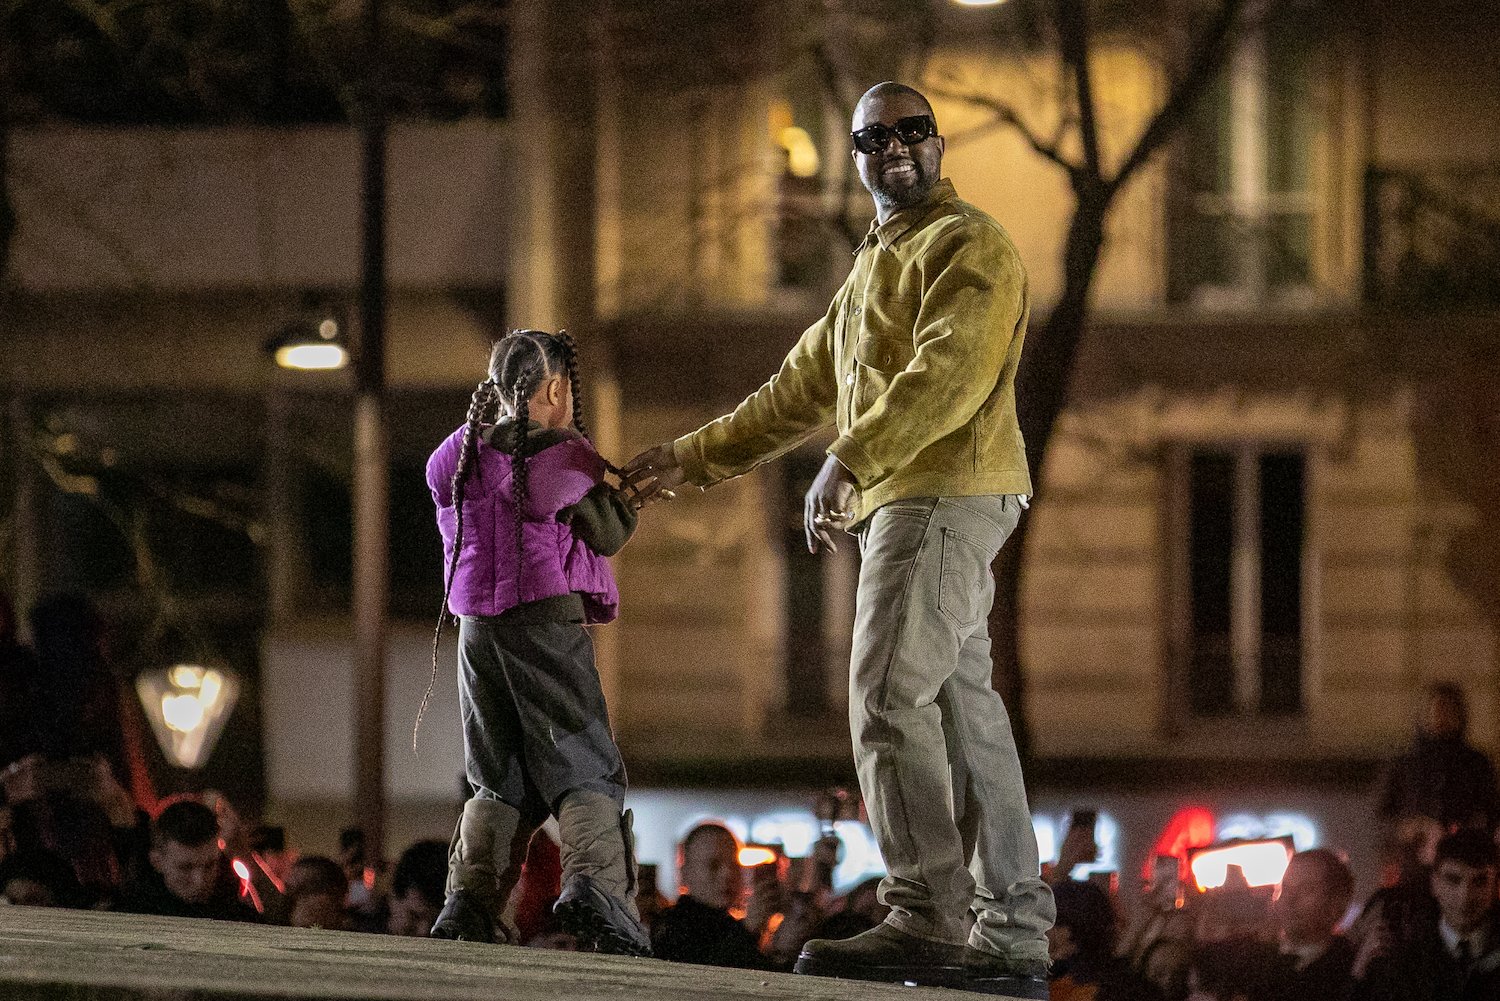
(654, 475)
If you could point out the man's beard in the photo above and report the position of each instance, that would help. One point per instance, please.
(900, 197)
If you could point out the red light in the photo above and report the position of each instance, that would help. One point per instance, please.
(1190, 827)
(242, 870)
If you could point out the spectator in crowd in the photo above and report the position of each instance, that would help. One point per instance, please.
(316, 889)
(18, 712)
(1456, 958)
(39, 878)
(1160, 914)
(858, 910)
(188, 874)
(699, 928)
(1240, 970)
(417, 889)
(77, 693)
(1314, 897)
(1442, 782)
(1081, 947)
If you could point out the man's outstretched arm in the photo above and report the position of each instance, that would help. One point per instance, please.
(793, 404)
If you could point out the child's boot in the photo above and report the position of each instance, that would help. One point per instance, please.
(484, 863)
(597, 904)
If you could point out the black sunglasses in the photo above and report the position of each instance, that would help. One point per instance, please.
(911, 130)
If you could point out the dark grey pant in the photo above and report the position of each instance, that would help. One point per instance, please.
(932, 742)
(535, 723)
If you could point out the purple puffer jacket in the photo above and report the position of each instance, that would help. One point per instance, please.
(488, 580)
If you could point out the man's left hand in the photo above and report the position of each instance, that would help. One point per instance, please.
(828, 505)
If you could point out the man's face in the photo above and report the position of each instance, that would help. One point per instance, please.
(1464, 894)
(897, 175)
(711, 870)
(1307, 910)
(412, 914)
(191, 873)
(1445, 717)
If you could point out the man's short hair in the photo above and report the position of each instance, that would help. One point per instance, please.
(1470, 847)
(702, 831)
(1336, 872)
(424, 868)
(316, 874)
(187, 822)
(891, 88)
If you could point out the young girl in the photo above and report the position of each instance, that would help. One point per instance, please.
(527, 521)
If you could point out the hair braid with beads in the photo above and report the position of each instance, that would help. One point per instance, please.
(575, 382)
(480, 404)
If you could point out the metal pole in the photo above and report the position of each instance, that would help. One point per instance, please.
(371, 461)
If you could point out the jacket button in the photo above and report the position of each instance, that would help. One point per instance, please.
(856, 310)
(849, 379)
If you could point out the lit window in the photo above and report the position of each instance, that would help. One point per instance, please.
(1247, 211)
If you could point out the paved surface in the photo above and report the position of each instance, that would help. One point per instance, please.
(60, 955)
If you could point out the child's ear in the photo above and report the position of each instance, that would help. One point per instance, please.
(555, 390)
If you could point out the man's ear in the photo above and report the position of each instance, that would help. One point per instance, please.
(942, 145)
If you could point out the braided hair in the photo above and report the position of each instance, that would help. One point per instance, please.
(519, 363)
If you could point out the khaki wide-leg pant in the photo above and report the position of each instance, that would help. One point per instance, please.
(932, 741)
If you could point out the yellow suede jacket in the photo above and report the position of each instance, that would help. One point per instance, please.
(914, 362)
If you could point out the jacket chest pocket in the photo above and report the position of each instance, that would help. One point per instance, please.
(887, 353)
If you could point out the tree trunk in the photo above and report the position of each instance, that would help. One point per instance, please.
(1041, 391)
(8, 221)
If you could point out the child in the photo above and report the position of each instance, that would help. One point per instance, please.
(527, 522)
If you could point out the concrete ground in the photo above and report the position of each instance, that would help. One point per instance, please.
(49, 954)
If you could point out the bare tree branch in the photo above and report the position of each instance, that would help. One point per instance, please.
(1207, 59)
(1006, 115)
(1073, 24)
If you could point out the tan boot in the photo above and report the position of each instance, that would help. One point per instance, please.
(484, 864)
(597, 904)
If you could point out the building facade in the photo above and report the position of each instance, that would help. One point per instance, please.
(1265, 520)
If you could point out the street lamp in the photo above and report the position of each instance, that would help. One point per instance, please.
(309, 345)
(188, 706)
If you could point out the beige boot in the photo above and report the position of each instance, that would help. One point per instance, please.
(597, 904)
(484, 864)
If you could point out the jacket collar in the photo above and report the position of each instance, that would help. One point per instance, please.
(909, 218)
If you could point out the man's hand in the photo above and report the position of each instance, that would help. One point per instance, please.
(654, 475)
(828, 505)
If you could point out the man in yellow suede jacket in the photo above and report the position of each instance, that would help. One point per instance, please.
(914, 364)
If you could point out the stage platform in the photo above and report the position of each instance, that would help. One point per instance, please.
(49, 954)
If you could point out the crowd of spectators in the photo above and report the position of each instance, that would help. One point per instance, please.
(74, 832)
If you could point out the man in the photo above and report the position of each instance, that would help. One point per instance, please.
(1458, 958)
(914, 364)
(699, 928)
(1441, 782)
(417, 889)
(189, 876)
(1314, 896)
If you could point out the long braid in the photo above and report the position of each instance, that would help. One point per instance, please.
(479, 405)
(575, 381)
(523, 391)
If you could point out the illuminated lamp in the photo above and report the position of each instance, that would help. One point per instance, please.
(979, 3)
(309, 345)
(1263, 862)
(188, 706)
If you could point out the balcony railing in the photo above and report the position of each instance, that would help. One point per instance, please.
(1432, 238)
